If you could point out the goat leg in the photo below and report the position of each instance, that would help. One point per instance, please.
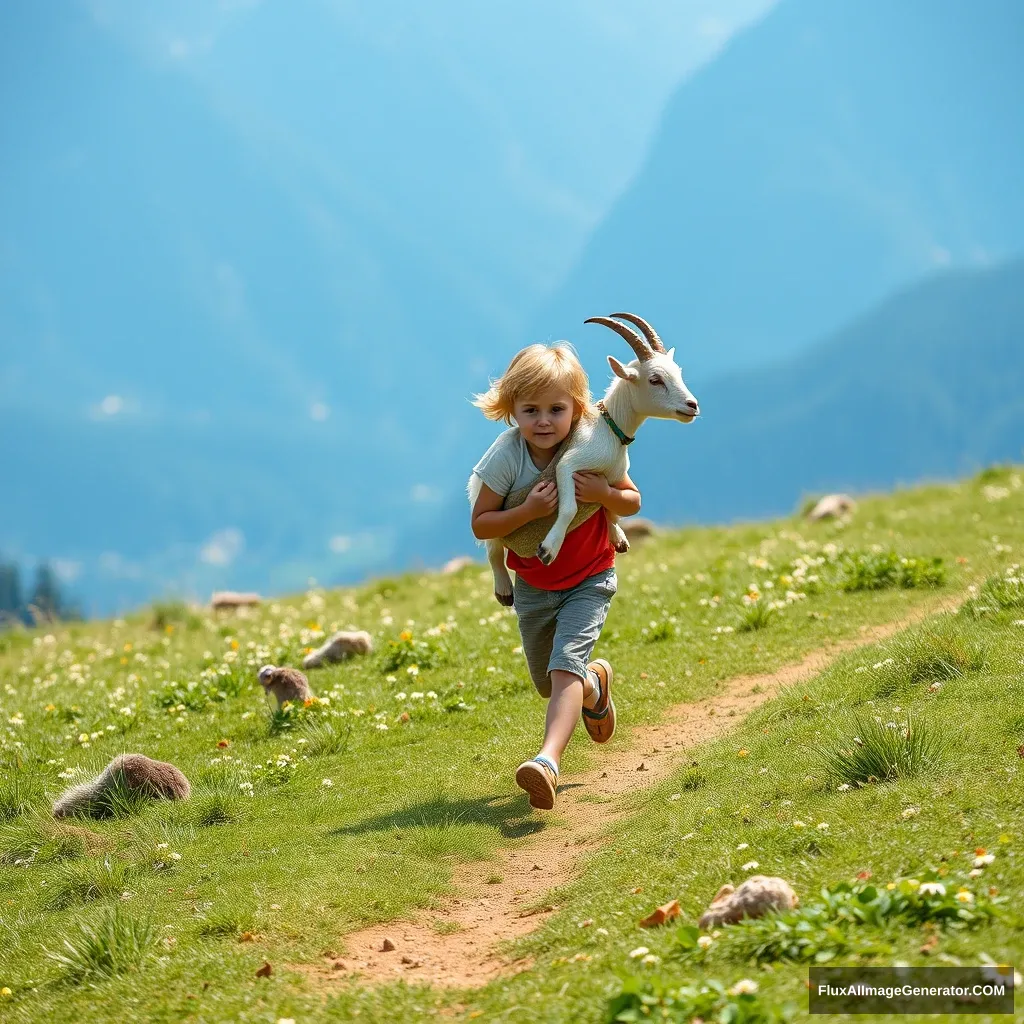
(547, 550)
(502, 580)
(615, 535)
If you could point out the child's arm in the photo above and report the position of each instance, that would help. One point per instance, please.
(622, 498)
(490, 520)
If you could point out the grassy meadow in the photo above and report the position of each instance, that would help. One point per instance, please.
(877, 781)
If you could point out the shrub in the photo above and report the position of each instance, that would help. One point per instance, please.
(883, 752)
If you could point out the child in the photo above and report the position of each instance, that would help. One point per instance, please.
(562, 606)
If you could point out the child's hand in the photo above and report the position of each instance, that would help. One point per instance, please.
(591, 487)
(542, 500)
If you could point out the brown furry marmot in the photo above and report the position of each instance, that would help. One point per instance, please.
(136, 773)
(285, 684)
(338, 648)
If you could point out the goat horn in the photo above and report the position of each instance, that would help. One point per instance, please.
(649, 332)
(635, 342)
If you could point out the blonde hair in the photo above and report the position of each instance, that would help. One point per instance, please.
(534, 369)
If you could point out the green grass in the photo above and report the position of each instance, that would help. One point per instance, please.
(357, 808)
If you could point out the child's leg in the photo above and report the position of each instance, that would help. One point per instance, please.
(564, 707)
(581, 617)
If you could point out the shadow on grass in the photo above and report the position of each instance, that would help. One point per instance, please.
(512, 816)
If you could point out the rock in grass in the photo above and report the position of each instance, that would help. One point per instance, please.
(457, 564)
(755, 897)
(634, 529)
(285, 684)
(233, 599)
(338, 648)
(127, 775)
(832, 506)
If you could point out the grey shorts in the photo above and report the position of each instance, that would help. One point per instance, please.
(560, 627)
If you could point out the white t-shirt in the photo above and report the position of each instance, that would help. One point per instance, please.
(506, 465)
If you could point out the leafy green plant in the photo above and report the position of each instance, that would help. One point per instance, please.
(198, 695)
(406, 650)
(116, 943)
(641, 1000)
(870, 570)
(850, 919)
(881, 752)
(173, 613)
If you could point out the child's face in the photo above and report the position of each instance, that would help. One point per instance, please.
(544, 419)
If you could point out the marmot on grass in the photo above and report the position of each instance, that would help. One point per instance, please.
(285, 684)
(133, 773)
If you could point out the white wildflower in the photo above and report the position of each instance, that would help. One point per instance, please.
(744, 987)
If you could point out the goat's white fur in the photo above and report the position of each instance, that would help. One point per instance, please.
(632, 397)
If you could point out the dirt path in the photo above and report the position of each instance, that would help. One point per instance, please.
(486, 913)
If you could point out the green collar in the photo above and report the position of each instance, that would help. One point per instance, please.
(616, 429)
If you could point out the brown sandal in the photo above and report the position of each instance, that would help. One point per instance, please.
(540, 781)
(600, 719)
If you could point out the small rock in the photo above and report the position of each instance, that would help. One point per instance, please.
(536, 867)
(386, 946)
(757, 896)
(642, 767)
(635, 528)
(604, 775)
(338, 965)
(264, 971)
(233, 599)
(832, 506)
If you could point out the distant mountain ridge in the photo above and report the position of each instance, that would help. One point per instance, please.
(926, 386)
(831, 154)
(295, 400)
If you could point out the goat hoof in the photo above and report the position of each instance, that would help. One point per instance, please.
(544, 555)
(505, 599)
(622, 546)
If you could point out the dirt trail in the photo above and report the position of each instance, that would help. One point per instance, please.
(485, 914)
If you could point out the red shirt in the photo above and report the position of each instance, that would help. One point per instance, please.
(584, 552)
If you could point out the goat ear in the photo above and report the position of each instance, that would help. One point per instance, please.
(625, 372)
(671, 354)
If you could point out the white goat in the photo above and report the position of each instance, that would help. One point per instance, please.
(650, 385)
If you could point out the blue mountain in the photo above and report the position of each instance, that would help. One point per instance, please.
(833, 153)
